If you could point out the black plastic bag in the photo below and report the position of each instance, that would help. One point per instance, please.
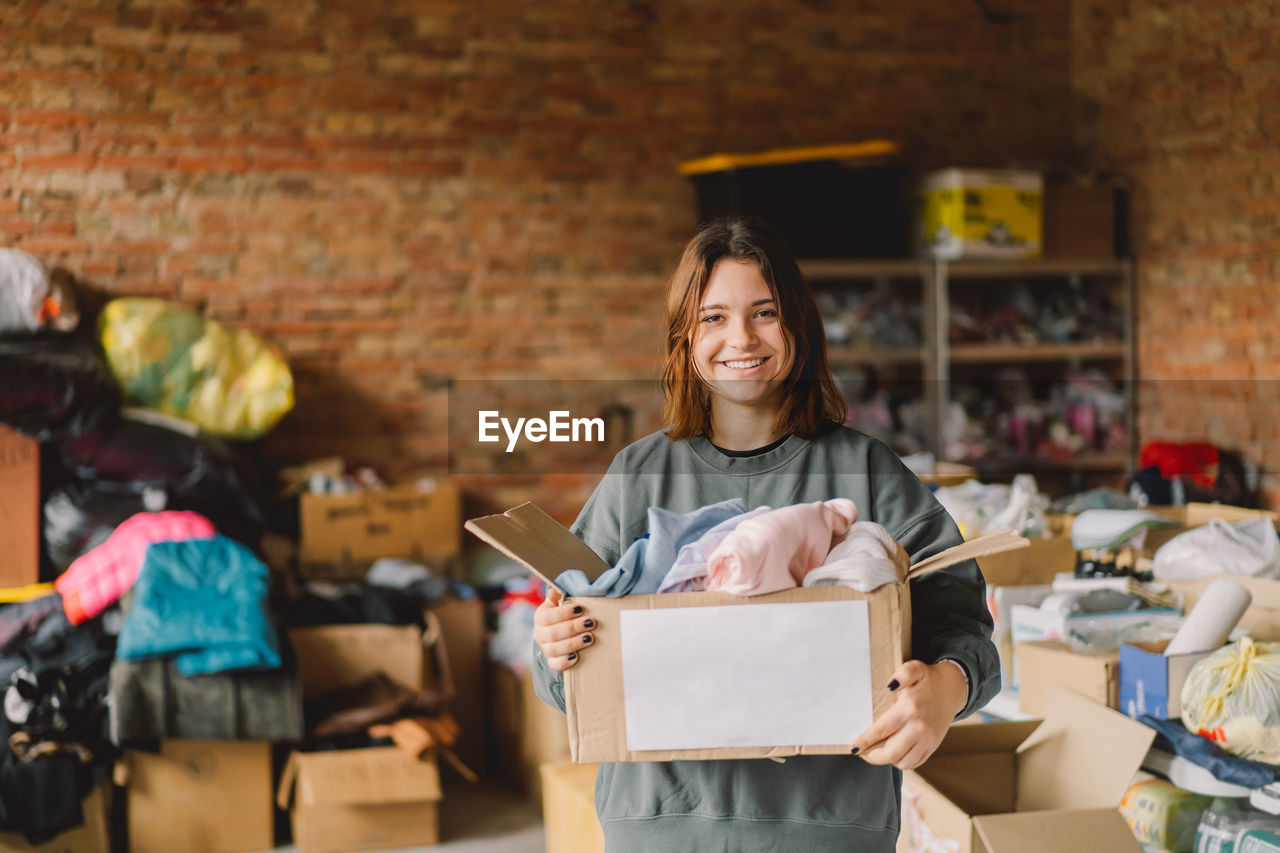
(55, 385)
(95, 481)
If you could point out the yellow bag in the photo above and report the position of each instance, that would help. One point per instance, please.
(1232, 697)
(170, 359)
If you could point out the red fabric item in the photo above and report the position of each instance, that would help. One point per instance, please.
(99, 577)
(532, 593)
(1197, 460)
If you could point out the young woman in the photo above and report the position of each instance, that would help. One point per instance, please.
(753, 413)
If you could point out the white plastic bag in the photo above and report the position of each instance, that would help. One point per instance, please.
(23, 289)
(1232, 697)
(1249, 548)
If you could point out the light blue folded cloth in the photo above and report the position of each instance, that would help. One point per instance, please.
(641, 568)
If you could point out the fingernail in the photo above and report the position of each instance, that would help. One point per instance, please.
(853, 751)
(574, 656)
(577, 610)
(590, 623)
(893, 685)
(586, 638)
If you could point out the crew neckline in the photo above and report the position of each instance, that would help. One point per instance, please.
(746, 454)
(756, 462)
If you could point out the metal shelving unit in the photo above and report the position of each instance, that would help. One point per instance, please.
(938, 355)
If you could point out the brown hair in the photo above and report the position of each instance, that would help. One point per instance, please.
(810, 398)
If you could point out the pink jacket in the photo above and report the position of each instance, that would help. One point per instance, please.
(98, 578)
(774, 550)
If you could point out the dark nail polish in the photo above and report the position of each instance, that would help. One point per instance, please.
(853, 751)
(586, 638)
(573, 655)
(577, 610)
(893, 685)
(590, 623)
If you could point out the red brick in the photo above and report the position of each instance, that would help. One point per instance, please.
(48, 162)
(52, 118)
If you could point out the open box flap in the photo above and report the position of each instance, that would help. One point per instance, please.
(1068, 831)
(529, 536)
(1083, 756)
(988, 737)
(992, 543)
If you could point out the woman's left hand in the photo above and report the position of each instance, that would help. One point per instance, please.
(929, 697)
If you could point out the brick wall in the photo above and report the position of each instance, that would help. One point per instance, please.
(398, 192)
(1184, 98)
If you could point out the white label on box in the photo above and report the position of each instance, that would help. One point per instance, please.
(770, 675)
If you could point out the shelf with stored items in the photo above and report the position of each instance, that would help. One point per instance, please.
(1079, 364)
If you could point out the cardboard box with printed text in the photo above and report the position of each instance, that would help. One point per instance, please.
(602, 717)
(342, 534)
(1051, 786)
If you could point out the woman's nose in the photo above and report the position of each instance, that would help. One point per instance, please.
(741, 333)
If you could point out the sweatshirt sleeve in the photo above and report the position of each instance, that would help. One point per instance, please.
(949, 615)
(599, 526)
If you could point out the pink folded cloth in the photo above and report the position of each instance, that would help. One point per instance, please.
(774, 550)
(98, 578)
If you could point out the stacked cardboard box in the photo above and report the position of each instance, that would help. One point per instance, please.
(199, 795)
(19, 508)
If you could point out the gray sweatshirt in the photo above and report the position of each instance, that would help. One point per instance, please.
(809, 803)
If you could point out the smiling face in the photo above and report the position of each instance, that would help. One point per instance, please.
(740, 348)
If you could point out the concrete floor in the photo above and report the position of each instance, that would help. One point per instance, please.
(488, 817)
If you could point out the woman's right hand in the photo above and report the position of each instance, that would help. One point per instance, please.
(562, 630)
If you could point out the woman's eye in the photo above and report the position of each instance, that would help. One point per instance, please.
(711, 318)
(766, 312)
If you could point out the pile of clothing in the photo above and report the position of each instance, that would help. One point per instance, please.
(723, 547)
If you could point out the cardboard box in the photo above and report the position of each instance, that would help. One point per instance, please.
(342, 534)
(360, 799)
(527, 732)
(1151, 682)
(1051, 786)
(1196, 514)
(1080, 221)
(1036, 564)
(462, 628)
(1042, 665)
(569, 808)
(1261, 619)
(200, 796)
(599, 729)
(334, 657)
(982, 213)
(19, 508)
(93, 836)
